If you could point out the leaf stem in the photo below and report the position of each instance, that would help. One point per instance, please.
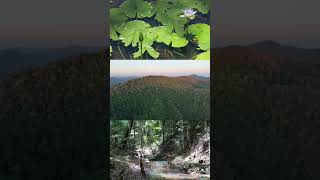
(141, 49)
(178, 53)
(121, 52)
(171, 54)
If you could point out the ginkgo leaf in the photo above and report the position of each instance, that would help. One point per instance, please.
(129, 34)
(164, 35)
(168, 13)
(113, 34)
(202, 35)
(178, 41)
(137, 8)
(149, 37)
(203, 56)
(117, 19)
(151, 51)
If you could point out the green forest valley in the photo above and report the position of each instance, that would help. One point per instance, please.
(159, 149)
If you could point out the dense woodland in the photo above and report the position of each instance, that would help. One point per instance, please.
(266, 112)
(52, 121)
(162, 98)
(266, 118)
(141, 149)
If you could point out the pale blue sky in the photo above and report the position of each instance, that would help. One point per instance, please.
(159, 67)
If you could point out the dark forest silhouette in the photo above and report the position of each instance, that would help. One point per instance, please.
(266, 108)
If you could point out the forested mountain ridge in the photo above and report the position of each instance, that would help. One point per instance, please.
(116, 80)
(15, 60)
(161, 97)
(278, 49)
(205, 78)
(266, 108)
(52, 118)
(164, 81)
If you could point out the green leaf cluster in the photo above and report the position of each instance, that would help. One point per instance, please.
(128, 21)
(203, 56)
(117, 19)
(137, 8)
(168, 12)
(201, 34)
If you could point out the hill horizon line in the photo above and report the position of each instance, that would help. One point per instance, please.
(269, 43)
(115, 76)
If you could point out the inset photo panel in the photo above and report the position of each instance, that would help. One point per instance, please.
(160, 29)
(159, 149)
(160, 90)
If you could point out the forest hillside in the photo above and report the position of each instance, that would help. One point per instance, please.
(162, 98)
(117, 80)
(266, 112)
(14, 60)
(52, 121)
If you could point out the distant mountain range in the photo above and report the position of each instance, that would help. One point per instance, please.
(161, 97)
(204, 78)
(117, 80)
(18, 59)
(277, 49)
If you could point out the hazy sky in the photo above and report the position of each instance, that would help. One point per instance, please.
(293, 22)
(159, 67)
(40, 23)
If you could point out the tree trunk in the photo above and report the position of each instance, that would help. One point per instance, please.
(188, 136)
(183, 143)
(143, 173)
(115, 142)
(134, 130)
(127, 135)
(141, 135)
(162, 131)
